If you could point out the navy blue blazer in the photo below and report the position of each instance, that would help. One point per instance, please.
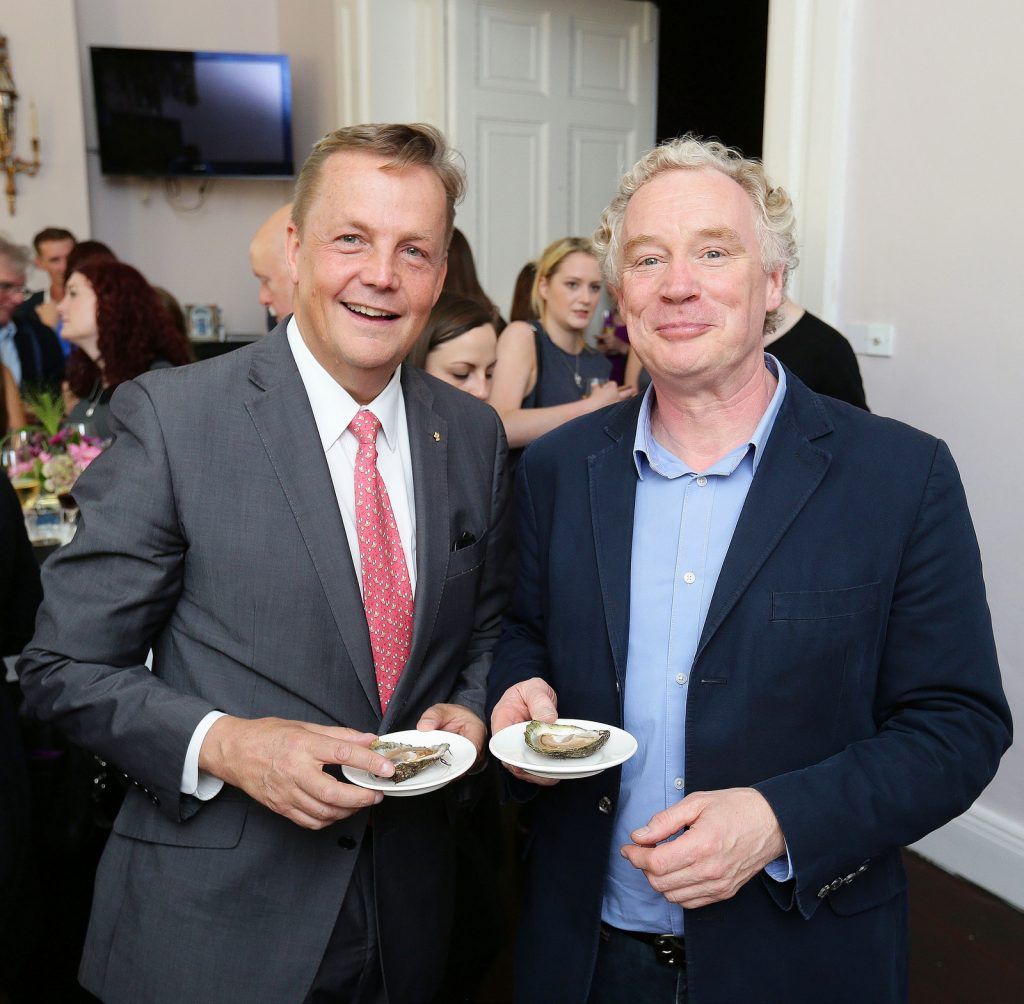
(846, 670)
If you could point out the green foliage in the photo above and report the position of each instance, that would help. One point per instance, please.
(48, 407)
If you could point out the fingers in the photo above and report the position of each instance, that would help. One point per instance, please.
(525, 701)
(669, 821)
(523, 775)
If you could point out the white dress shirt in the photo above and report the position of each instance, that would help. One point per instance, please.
(333, 410)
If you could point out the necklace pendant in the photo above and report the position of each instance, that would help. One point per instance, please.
(578, 380)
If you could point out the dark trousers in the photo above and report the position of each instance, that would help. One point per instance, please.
(350, 972)
(629, 971)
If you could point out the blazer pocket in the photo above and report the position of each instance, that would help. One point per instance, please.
(822, 604)
(219, 823)
(465, 559)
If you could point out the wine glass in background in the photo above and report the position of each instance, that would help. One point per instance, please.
(26, 486)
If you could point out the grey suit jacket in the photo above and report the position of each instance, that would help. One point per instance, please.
(210, 531)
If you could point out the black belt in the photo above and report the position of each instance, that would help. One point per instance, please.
(669, 949)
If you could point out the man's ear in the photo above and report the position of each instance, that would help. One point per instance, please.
(774, 297)
(291, 249)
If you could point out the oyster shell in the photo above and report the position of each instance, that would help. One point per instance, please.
(564, 741)
(410, 760)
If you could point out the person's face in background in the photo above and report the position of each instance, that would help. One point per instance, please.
(269, 261)
(571, 293)
(53, 259)
(78, 313)
(466, 361)
(12, 290)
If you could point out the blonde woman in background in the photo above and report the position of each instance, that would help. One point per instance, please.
(546, 373)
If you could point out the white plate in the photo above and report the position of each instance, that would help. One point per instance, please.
(509, 746)
(461, 757)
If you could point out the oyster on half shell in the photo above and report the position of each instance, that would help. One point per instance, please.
(564, 741)
(410, 760)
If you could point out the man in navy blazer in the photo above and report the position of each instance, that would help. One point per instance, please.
(779, 595)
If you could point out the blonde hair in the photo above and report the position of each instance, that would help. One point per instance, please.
(547, 264)
(774, 221)
(405, 145)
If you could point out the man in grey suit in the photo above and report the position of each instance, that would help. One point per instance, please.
(221, 530)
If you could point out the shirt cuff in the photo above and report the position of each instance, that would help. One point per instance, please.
(781, 869)
(193, 781)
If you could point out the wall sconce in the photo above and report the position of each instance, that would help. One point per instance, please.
(9, 163)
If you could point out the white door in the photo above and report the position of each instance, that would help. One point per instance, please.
(549, 103)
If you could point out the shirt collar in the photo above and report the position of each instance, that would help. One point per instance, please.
(333, 406)
(646, 448)
(8, 330)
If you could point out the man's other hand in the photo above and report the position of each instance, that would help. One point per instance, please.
(455, 718)
(721, 839)
(280, 763)
(524, 702)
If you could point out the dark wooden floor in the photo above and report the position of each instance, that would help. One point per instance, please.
(967, 947)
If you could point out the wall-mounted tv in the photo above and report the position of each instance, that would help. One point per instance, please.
(200, 114)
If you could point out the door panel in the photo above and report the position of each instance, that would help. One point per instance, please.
(549, 103)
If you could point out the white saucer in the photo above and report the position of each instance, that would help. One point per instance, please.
(509, 746)
(460, 757)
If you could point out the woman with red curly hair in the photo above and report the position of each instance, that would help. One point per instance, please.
(120, 329)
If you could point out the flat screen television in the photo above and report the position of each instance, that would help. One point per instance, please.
(197, 114)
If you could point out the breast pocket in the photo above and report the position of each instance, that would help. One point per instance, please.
(465, 559)
(824, 604)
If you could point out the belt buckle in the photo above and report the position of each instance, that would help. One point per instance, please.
(669, 950)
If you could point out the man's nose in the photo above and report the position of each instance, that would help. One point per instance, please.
(378, 270)
(679, 281)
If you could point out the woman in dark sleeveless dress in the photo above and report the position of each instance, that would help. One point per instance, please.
(546, 373)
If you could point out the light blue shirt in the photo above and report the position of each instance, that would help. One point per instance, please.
(9, 351)
(683, 522)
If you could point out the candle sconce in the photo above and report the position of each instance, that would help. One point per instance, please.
(9, 163)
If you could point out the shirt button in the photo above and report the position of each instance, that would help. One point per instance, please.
(346, 843)
(678, 783)
(680, 678)
(689, 578)
(702, 481)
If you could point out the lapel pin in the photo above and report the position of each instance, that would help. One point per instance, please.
(437, 437)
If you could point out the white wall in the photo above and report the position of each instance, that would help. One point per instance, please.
(927, 219)
(200, 256)
(45, 65)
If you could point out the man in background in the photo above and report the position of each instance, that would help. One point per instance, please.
(28, 348)
(269, 261)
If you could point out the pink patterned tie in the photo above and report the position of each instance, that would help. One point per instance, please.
(387, 591)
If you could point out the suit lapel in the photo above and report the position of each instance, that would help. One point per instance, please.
(787, 476)
(281, 412)
(612, 475)
(428, 446)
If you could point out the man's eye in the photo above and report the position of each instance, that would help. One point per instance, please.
(348, 239)
(416, 252)
(713, 254)
(647, 261)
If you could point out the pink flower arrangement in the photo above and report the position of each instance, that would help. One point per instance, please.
(54, 461)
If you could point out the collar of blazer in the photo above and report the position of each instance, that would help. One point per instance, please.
(280, 410)
(790, 471)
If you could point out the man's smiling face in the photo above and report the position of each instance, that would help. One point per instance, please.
(368, 261)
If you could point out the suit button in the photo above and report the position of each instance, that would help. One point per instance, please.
(347, 843)
(604, 805)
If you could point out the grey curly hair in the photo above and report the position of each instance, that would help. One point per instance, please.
(774, 221)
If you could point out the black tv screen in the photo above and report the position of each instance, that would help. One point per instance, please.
(163, 113)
